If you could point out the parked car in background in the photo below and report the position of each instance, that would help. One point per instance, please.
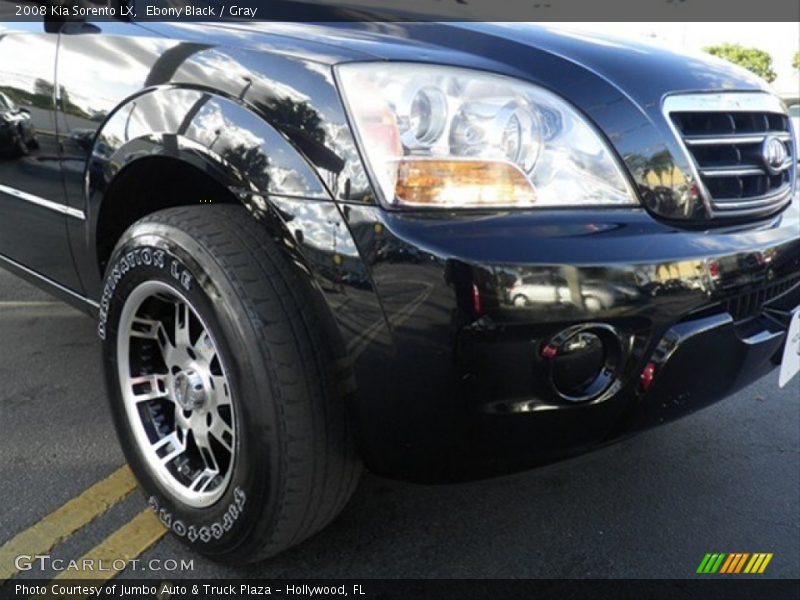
(17, 134)
(553, 291)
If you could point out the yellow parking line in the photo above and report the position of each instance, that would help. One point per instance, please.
(26, 303)
(63, 522)
(110, 556)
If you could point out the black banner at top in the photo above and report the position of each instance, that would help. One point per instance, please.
(403, 10)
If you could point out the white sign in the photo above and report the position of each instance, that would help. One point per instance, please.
(790, 365)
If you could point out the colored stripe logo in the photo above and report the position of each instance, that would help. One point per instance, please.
(734, 562)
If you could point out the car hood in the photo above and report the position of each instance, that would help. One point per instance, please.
(539, 53)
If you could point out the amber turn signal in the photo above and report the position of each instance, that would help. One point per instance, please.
(473, 183)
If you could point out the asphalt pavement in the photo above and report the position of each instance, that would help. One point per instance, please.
(723, 480)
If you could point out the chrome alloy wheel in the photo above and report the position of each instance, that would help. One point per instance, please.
(176, 393)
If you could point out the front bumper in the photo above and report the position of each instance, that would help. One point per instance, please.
(454, 383)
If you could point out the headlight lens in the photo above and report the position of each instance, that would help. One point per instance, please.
(436, 136)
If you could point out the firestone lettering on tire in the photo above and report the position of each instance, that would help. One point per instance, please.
(148, 257)
(204, 533)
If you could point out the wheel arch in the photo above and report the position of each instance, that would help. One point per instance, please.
(147, 185)
(194, 137)
(171, 147)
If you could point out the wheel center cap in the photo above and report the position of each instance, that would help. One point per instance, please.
(190, 391)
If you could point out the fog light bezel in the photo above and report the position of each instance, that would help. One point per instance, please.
(607, 381)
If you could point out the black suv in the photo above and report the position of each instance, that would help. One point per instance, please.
(441, 250)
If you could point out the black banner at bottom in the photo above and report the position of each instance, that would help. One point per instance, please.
(374, 589)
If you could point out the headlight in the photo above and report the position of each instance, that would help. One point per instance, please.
(436, 136)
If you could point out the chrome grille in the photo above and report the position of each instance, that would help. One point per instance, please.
(730, 139)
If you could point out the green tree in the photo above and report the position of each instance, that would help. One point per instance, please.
(796, 60)
(752, 59)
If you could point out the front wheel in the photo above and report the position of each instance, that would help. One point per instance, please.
(225, 381)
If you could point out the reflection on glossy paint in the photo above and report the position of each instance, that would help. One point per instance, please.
(18, 136)
(33, 206)
(665, 188)
(256, 154)
(322, 236)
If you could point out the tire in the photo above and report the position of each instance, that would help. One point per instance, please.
(20, 147)
(259, 372)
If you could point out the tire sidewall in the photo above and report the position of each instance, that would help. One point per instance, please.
(155, 252)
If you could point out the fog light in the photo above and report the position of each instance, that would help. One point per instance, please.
(578, 364)
(583, 361)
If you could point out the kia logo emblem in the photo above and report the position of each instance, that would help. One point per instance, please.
(774, 154)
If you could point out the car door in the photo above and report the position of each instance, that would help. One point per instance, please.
(33, 208)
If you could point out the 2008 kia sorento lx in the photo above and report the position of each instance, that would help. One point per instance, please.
(440, 250)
